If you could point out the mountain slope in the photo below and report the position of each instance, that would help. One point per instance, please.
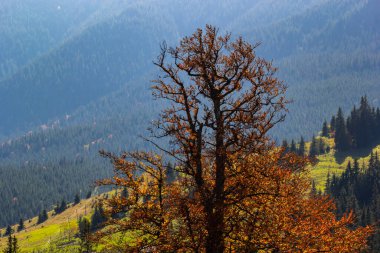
(30, 29)
(95, 84)
(76, 73)
(57, 233)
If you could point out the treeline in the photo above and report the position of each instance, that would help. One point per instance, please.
(317, 147)
(358, 189)
(359, 130)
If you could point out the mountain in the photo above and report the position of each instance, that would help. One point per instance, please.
(104, 56)
(74, 73)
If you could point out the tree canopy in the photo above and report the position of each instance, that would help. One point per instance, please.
(234, 190)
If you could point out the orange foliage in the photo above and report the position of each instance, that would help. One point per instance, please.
(234, 192)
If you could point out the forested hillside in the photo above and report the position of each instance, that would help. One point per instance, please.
(32, 28)
(81, 83)
(301, 39)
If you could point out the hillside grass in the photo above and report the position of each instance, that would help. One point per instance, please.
(58, 229)
(336, 162)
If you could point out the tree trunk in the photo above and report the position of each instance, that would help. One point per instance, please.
(215, 228)
(215, 209)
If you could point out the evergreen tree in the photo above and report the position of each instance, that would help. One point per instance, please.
(293, 147)
(325, 129)
(321, 146)
(98, 218)
(60, 207)
(20, 225)
(15, 246)
(301, 149)
(352, 125)
(84, 227)
(365, 135)
(63, 206)
(332, 123)
(313, 152)
(377, 123)
(76, 199)
(12, 245)
(42, 217)
(88, 195)
(8, 230)
(342, 138)
(285, 146)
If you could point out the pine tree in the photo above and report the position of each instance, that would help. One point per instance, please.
(293, 147)
(15, 246)
(285, 146)
(12, 245)
(366, 121)
(84, 226)
(325, 129)
(352, 125)
(332, 123)
(313, 152)
(342, 138)
(8, 231)
(377, 123)
(301, 149)
(42, 217)
(20, 225)
(321, 146)
(63, 206)
(98, 218)
(76, 199)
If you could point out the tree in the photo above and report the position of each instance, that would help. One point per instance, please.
(325, 129)
(12, 245)
(42, 217)
(285, 146)
(84, 226)
(59, 208)
(227, 106)
(76, 199)
(342, 137)
(98, 218)
(20, 225)
(321, 146)
(313, 152)
(293, 147)
(332, 123)
(223, 101)
(8, 230)
(301, 149)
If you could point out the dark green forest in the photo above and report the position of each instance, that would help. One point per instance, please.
(357, 190)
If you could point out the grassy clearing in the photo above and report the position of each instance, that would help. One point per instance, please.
(336, 162)
(39, 237)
